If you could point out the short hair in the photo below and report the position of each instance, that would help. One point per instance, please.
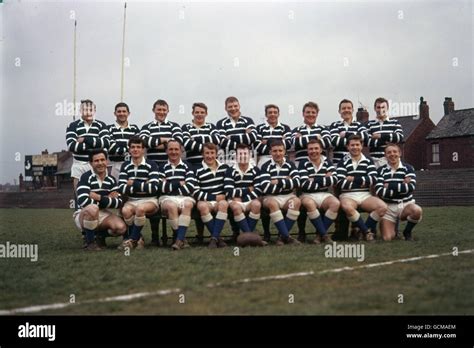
(345, 101)
(276, 142)
(394, 145)
(271, 106)
(136, 140)
(160, 102)
(311, 104)
(87, 102)
(380, 100)
(242, 147)
(122, 105)
(210, 146)
(97, 152)
(316, 141)
(230, 100)
(355, 137)
(173, 141)
(200, 105)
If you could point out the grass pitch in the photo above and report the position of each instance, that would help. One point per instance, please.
(440, 285)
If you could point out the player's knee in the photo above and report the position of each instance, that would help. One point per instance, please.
(120, 227)
(222, 205)
(417, 212)
(91, 211)
(255, 205)
(347, 207)
(272, 205)
(203, 207)
(309, 204)
(235, 207)
(140, 211)
(127, 212)
(188, 205)
(172, 209)
(334, 205)
(296, 202)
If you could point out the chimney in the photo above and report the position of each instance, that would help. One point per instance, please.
(424, 109)
(448, 105)
(362, 115)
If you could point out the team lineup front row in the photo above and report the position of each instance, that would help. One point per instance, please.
(281, 187)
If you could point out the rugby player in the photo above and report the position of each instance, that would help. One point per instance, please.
(139, 182)
(279, 180)
(197, 133)
(97, 193)
(395, 186)
(120, 133)
(177, 186)
(318, 175)
(210, 194)
(355, 177)
(242, 185)
(382, 131)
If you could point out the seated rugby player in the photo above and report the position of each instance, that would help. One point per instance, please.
(97, 193)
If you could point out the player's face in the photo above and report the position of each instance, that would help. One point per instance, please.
(233, 109)
(346, 111)
(243, 156)
(355, 148)
(209, 156)
(88, 112)
(310, 114)
(136, 151)
(174, 151)
(199, 115)
(99, 164)
(161, 111)
(381, 109)
(314, 152)
(278, 153)
(272, 116)
(121, 114)
(392, 153)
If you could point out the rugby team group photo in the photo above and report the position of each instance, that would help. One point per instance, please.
(241, 172)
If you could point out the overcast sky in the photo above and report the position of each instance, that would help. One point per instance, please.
(262, 52)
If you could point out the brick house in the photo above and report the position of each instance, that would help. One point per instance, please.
(451, 143)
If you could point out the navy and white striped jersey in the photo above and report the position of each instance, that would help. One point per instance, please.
(171, 177)
(339, 143)
(308, 133)
(90, 182)
(96, 136)
(195, 137)
(237, 183)
(266, 132)
(391, 132)
(145, 179)
(153, 132)
(317, 179)
(397, 189)
(364, 173)
(237, 133)
(210, 183)
(119, 138)
(286, 174)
